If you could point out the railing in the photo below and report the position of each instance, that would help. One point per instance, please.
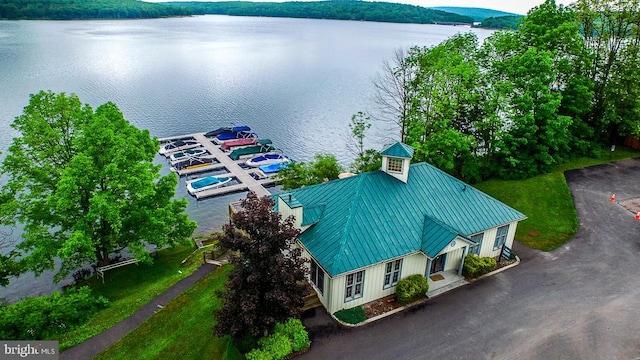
(507, 253)
(100, 271)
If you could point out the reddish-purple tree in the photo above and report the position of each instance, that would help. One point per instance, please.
(267, 283)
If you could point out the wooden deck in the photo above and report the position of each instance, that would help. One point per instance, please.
(243, 176)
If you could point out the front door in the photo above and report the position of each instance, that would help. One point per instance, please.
(437, 265)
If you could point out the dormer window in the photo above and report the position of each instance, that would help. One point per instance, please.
(394, 165)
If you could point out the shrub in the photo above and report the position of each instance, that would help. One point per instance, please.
(475, 266)
(354, 315)
(411, 288)
(45, 316)
(277, 344)
(287, 337)
(294, 329)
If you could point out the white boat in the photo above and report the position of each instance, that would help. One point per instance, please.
(181, 155)
(206, 183)
(267, 159)
(179, 145)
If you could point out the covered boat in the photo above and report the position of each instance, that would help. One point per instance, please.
(272, 168)
(266, 159)
(192, 163)
(206, 183)
(236, 134)
(218, 131)
(228, 144)
(178, 145)
(195, 152)
(263, 146)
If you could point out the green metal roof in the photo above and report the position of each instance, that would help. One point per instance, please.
(372, 217)
(398, 149)
(436, 235)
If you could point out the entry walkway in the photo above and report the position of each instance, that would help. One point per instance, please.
(95, 345)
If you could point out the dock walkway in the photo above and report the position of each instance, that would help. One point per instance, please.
(245, 181)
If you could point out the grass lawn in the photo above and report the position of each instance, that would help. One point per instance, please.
(129, 287)
(183, 329)
(547, 202)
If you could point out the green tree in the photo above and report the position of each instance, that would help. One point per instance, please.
(267, 283)
(323, 167)
(365, 159)
(612, 34)
(447, 101)
(84, 185)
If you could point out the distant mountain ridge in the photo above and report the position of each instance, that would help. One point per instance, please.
(477, 14)
(334, 10)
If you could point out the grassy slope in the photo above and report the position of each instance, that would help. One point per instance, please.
(547, 201)
(130, 287)
(183, 329)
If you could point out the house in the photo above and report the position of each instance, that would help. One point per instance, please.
(363, 233)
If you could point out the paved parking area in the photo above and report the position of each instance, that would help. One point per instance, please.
(581, 301)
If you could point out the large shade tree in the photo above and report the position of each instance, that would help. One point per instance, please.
(85, 187)
(266, 284)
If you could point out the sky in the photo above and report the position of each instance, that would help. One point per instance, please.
(512, 6)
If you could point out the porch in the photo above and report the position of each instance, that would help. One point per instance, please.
(444, 281)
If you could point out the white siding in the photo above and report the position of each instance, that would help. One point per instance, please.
(489, 239)
(373, 282)
(452, 262)
(402, 176)
(286, 211)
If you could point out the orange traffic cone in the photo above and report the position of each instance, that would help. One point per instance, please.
(638, 216)
(613, 197)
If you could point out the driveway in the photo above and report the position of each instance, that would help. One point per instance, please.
(581, 301)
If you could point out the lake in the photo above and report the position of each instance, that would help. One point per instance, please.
(294, 81)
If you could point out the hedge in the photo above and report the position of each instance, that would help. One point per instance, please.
(39, 318)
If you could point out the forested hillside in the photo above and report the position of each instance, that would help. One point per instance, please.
(501, 22)
(337, 10)
(82, 9)
(478, 14)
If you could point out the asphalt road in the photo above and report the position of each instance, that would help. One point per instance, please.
(581, 301)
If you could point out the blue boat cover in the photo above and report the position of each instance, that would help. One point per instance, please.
(272, 168)
(209, 180)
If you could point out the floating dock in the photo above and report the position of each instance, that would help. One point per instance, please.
(246, 182)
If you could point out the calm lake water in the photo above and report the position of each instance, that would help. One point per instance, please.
(294, 81)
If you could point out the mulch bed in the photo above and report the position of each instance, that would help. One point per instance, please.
(380, 306)
(388, 303)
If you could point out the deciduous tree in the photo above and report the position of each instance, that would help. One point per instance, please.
(365, 159)
(84, 185)
(266, 285)
(324, 167)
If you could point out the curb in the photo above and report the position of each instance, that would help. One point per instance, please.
(421, 301)
(516, 263)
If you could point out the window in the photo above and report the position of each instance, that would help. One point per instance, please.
(475, 249)
(394, 165)
(501, 236)
(317, 276)
(354, 283)
(392, 273)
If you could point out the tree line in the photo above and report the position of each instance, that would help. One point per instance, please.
(79, 9)
(559, 87)
(501, 22)
(335, 10)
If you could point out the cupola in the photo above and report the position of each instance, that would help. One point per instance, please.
(396, 159)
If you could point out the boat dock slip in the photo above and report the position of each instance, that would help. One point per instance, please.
(243, 176)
